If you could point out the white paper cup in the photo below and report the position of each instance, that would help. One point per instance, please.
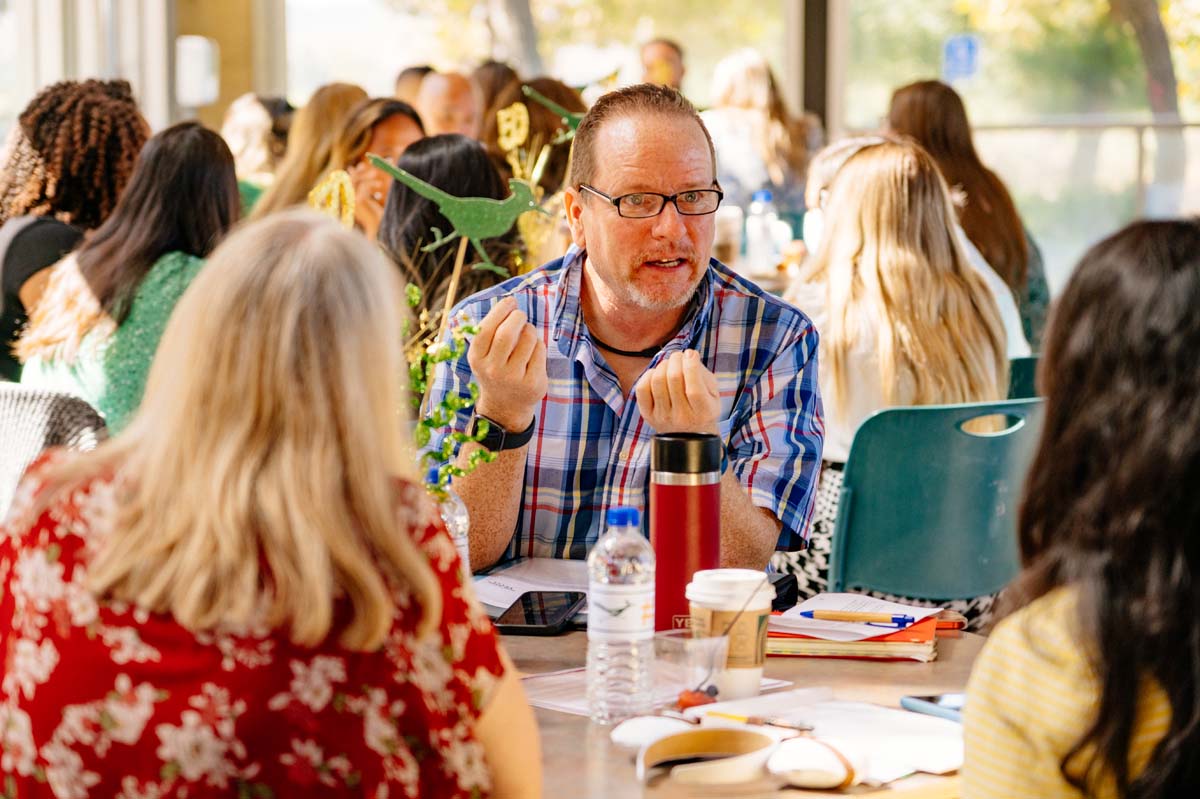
(715, 597)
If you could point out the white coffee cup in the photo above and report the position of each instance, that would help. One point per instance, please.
(715, 598)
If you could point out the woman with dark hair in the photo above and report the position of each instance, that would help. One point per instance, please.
(459, 166)
(64, 165)
(545, 127)
(1092, 687)
(384, 127)
(96, 328)
(932, 113)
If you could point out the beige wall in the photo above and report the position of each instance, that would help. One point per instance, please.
(231, 23)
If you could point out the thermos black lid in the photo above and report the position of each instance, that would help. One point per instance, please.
(688, 453)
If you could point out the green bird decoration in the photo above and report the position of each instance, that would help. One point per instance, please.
(473, 218)
(570, 118)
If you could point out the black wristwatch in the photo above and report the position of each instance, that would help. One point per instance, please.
(497, 439)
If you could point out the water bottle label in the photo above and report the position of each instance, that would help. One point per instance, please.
(621, 612)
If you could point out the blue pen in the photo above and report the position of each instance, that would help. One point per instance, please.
(860, 618)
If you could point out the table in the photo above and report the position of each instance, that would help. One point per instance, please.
(580, 761)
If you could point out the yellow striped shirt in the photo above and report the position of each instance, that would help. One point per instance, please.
(1031, 697)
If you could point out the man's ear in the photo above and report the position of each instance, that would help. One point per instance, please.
(573, 205)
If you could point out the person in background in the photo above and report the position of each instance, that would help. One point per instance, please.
(545, 128)
(310, 145)
(449, 103)
(384, 127)
(408, 82)
(760, 145)
(64, 166)
(1090, 688)
(662, 63)
(459, 166)
(904, 319)
(96, 328)
(251, 592)
(932, 113)
(490, 78)
(544, 237)
(821, 173)
(635, 331)
(258, 139)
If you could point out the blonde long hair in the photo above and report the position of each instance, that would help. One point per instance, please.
(890, 262)
(310, 144)
(256, 482)
(744, 80)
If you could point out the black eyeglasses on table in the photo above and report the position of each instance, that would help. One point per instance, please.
(643, 204)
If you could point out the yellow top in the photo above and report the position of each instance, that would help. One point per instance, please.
(1031, 697)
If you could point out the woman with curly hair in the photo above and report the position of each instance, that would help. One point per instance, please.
(64, 166)
(1091, 688)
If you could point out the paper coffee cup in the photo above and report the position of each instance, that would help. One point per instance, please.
(715, 597)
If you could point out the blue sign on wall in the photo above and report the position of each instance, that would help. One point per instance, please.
(960, 57)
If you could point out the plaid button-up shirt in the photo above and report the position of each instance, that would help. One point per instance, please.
(591, 447)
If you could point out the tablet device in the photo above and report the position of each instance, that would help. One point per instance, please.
(946, 706)
(540, 613)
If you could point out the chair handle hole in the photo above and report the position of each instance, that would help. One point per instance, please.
(991, 425)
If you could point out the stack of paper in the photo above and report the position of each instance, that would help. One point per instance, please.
(790, 633)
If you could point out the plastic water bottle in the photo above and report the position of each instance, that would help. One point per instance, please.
(620, 657)
(457, 521)
(762, 239)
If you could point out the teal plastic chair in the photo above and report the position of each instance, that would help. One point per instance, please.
(928, 510)
(1022, 374)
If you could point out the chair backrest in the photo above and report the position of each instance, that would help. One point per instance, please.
(32, 420)
(927, 509)
(1022, 374)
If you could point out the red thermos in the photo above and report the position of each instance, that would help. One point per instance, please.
(685, 518)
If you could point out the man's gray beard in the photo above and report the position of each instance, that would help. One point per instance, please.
(638, 298)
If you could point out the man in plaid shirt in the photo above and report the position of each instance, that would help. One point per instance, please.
(635, 332)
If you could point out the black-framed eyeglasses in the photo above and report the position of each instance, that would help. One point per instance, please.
(645, 204)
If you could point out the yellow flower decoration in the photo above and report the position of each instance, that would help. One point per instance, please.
(335, 196)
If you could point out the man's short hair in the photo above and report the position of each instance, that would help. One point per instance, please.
(638, 100)
(674, 45)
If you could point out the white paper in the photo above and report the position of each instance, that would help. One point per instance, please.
(896, 742)
(501, 589)
(566, 691)
(792, 622)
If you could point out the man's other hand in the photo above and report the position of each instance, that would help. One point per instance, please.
(508, 361)
(680, 395)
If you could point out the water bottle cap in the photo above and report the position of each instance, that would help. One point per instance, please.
(622, 517)
(762, 195)
(432, 475)
(689, 453)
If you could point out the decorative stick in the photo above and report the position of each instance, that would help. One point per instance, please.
(459, 260)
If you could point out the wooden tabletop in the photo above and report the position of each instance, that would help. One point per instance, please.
(580, 761)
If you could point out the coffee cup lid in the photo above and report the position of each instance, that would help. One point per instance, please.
(730, 588)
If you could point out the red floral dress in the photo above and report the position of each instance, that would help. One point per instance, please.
(102, 699)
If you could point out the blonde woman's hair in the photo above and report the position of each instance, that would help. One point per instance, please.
(256, 484)
(743, 80)
(310, 144)
(891, 263)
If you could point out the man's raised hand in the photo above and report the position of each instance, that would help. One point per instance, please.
(508, 361)
(680, 395)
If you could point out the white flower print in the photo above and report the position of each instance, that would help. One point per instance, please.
(463, 758)
(39, 580)
(81, 602)
(196, 750)
(128, 710)
(126, 646)
(312, 685)
(440, 551)
(30, 666)
(432, 674)
(307, 763)
(132, 789)
(65, 772)
(17, 751)
(379, 732)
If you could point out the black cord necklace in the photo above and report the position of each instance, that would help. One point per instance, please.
(649, 352)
